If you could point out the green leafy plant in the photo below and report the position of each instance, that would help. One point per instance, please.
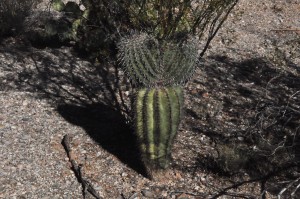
(75, 16)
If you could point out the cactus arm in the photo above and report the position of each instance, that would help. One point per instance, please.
(169, 60)
(182, 70)
(137, 73)
(190, 52)
(153, 55)
(174, 62)
(185, 65)
(143, 64)
(133, 65)
(139, 59)
(124, 60)
(149, 60)
(175, 69)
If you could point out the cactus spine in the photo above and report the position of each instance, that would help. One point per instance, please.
(150, 63)
(158, 68)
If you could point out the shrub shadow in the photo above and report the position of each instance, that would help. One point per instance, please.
(257, 122)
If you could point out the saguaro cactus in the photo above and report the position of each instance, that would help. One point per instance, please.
(158, 68)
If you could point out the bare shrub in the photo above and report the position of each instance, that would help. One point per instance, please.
(107, 20)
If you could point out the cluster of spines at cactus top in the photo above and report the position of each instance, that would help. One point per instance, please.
(151, 63)
(158, 113)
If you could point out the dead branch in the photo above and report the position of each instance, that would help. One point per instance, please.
(288, 187)
(289, 101)
(294, 192)
(264, 178)
(86, 185)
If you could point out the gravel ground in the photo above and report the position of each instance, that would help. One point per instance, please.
(48, 93)
(33, 161)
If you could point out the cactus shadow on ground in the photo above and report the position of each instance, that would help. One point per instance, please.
(109, 129)
(83, 93)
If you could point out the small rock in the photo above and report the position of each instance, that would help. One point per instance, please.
(240, 138)
(164, 194)
(25, 103)
(134, 196)
(25, 119)
(45, 197)
(127, 93)
(147, 193)
(2, 188)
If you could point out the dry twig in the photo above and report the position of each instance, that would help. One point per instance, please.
(86, 185)
(288, 187)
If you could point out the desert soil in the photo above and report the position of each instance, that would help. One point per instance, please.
(253, 64)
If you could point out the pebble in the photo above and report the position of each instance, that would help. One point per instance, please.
(25, 103)
(240, 138)
(164, 194)
(147, 193)
(45, 197)
(2, 188)
(134, 196)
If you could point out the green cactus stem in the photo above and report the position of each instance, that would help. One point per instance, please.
(158, 68)
(158, 112)
(150, 62)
